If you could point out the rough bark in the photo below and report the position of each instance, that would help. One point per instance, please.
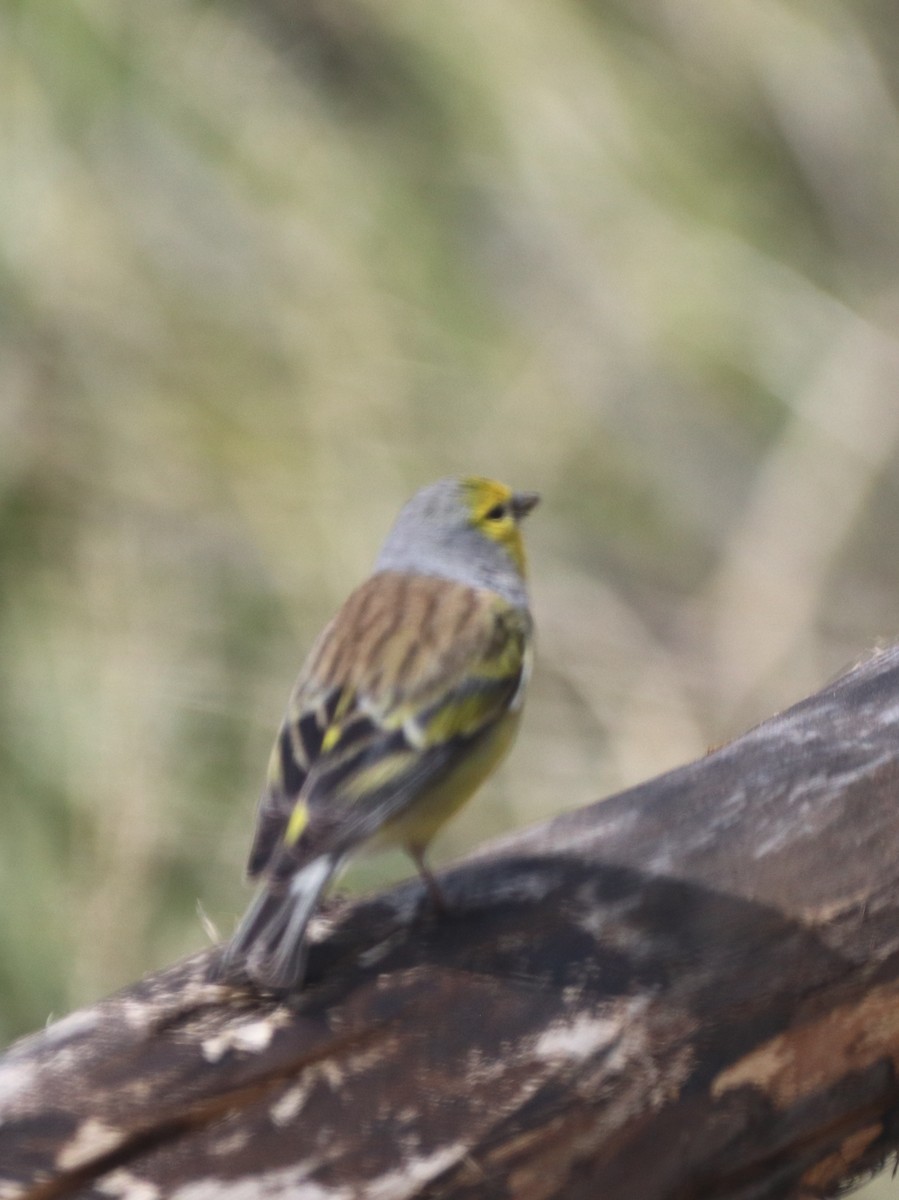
(688, 990)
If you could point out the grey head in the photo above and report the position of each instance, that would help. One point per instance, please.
(466, 530)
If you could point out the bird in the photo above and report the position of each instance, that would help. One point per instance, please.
(407, 701)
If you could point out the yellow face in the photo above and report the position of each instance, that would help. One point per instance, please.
(496, 511)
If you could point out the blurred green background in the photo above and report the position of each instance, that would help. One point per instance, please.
(267, 268)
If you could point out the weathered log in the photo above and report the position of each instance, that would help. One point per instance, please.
(688, 990)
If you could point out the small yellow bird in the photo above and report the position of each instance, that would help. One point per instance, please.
(408, 700)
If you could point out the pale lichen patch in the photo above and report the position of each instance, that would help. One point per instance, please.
(287, 1106)
(577, 1039)
(333, 1074)
(90, 1141)
(289, 1183)
(406, 1181)
(126, 1186)
(249, 1038)
(229, 1144)
(137, 1014)
(16, 1079)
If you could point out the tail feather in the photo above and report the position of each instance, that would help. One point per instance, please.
(270, 942)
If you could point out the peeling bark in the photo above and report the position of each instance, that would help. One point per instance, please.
(688, 990)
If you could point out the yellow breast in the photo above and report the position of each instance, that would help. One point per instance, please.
(420, 822)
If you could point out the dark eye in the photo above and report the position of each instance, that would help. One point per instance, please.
(497, 513)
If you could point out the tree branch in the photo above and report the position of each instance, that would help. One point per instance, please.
(688, 990)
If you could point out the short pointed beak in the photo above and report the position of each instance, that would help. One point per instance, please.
(523, 502)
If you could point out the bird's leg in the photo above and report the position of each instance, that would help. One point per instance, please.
(417, 854)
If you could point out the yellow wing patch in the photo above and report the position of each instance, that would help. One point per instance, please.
(335, 729)
(299, 819)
